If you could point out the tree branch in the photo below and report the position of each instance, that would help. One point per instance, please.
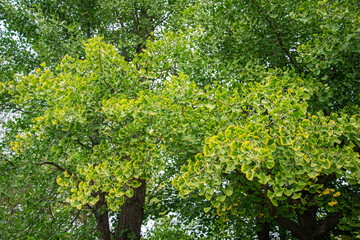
(287, 53)
(83, 145)
(291, 226)
(328, 223)
(155, 189)
(11, 163)
(284, 222)
(55, 165)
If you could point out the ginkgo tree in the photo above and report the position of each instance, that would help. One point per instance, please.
(95, 123)
(33, 32)
(320, 42)
(270, 150)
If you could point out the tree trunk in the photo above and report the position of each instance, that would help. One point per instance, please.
(129, 225)
(264, 232)
(307, 222)
(102, 217)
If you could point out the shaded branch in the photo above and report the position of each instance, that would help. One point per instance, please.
(9, 168)
(72, 222)
(328, 223)
(291, 226)
(284, 222)
(11, 163)
(55, 165)
(12, 106)
(326, 179)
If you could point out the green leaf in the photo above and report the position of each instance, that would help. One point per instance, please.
(270, 194)
(326, 164)
(202, 189)
(216, 204)
(296, 195)
(129, 193)
(299, 153)
(274, 202)
(210, 105)
(221, 198)
(264, 151)
(208, 196)
(249, 175)
(270, 163)
(288, 192)
(228, 192)
(272, 147)
(263, 178)
(313, 174)
(207, 209)
(288, 154)
(278, 192)
(135, 183)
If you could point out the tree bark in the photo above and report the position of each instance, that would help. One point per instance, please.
(129, 225)
(102, 217)
(264, 232)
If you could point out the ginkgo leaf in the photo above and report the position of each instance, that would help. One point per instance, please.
(216, 204)
(337, 194)
(272, 147)
(221, 198)
(129, 193)
(228, 192)
(207, 209)
(327, 191)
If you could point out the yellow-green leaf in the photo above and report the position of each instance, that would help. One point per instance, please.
(207, 209)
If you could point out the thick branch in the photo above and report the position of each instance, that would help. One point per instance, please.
(291, 226)
(328, 223)
(286, 223)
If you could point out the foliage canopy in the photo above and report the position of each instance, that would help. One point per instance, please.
(246, 111)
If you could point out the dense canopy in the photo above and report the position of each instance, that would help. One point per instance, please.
(180, 119)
